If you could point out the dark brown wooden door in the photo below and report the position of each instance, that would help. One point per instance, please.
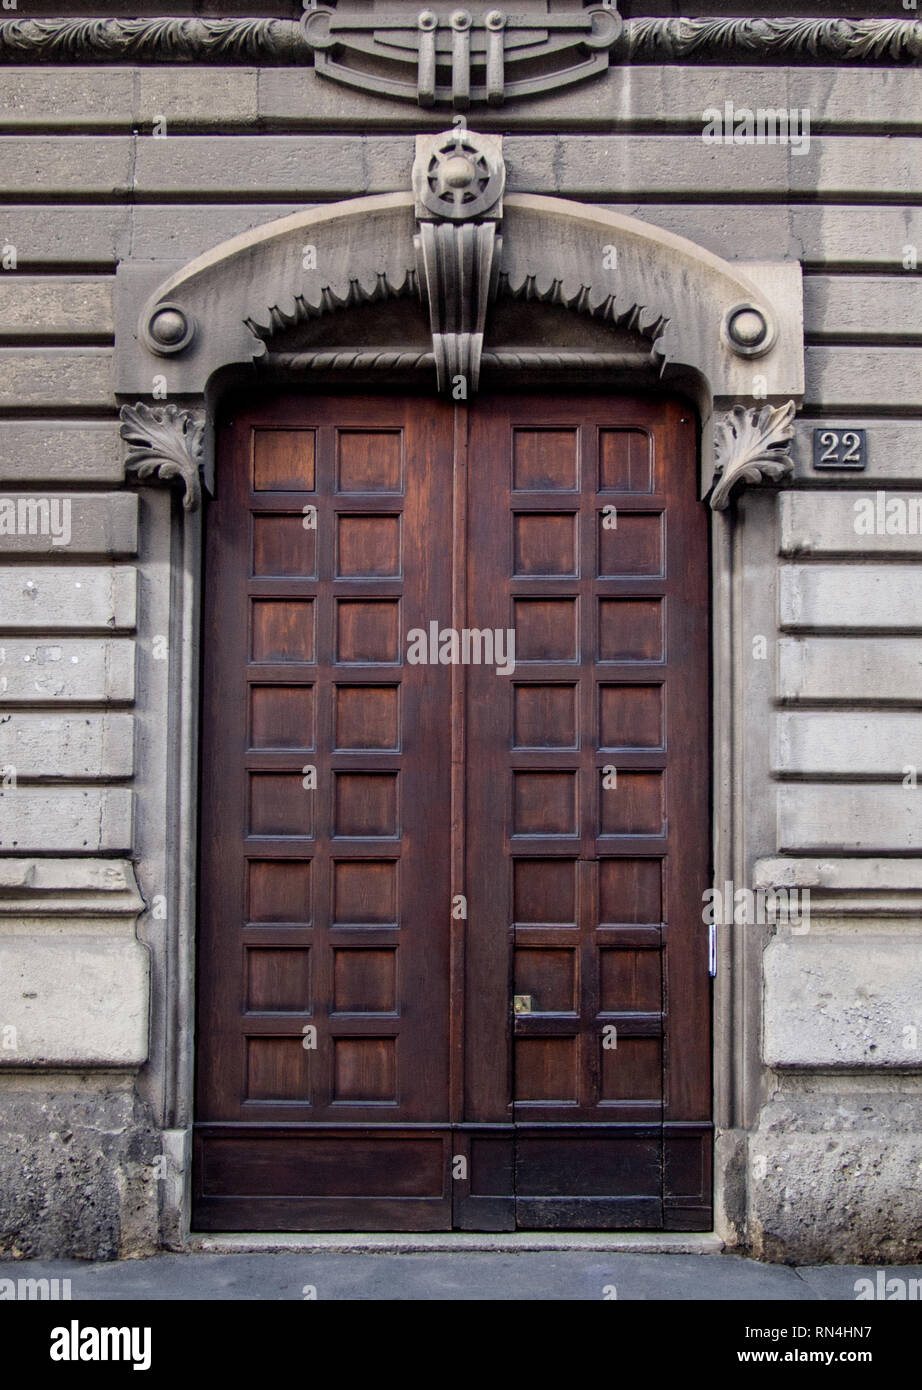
(392, 851)
(588, 811)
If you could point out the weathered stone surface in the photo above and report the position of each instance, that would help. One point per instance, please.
(837, 1000)
(59, 451)
(82, 164)
(88, 98)
(76, 597)
(91, 747)
(55, 378)
(837, 523)
(814, 743)
(843, 596)
(62, 524)
(68, 820)
(834, 1171)
(74, 670)
(77, 1171)
(894, 452)
(842, 670)
(866, 307)
(100, 234)
(862, 378)
(856, 818)
(588, 166)
(49, 308)
(57, 991)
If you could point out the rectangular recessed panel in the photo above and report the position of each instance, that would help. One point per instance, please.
(630, 716)
(545, 716)
(365, 1069)
(366, 716)
(544, 543)
(365, 803)
(545, 629)
(634, 806)
(630, 981)
(367, 631)
(549, 976)
(544, 459)
(364, 892)
(283, 547)
(631, 629)
(369, 460)
(365, 980)
(344, 1166)
(282, 630)
(634, 546)
(368, 547)
(281, 716)
(606, 1165)
(630, 890)
(544, 890)
(280, 805)
(633, 1070)
(279, 890)
(625, 461)
(279, 979)
(283, 460)
(546, 1069)
(544, 803)
(278, 1069)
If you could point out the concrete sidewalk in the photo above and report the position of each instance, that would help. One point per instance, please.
(580, 1274)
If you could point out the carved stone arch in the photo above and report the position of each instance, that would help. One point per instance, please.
(412, 282)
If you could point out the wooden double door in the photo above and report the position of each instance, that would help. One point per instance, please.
(452, 969)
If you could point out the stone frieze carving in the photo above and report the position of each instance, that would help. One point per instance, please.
(751, 444)
(282, 41)
(165, 442)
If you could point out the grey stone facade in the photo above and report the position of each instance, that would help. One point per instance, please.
(117, 173)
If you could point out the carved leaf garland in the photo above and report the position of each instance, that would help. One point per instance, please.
(751, 444)
(165, 441)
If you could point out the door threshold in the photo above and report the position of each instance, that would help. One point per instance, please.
(423, 1242)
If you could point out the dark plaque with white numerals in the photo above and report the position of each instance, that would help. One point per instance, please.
(840, 448)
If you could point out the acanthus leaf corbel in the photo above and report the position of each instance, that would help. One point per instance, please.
(165, 442)
(751, 444)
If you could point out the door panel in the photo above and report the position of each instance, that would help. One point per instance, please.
(588, 809)
(325, 848)
(349, 795)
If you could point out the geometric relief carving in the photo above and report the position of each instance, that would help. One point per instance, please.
(630, 890)
(369, 460)
(544, 890)
(633, 806)
(631, 629)
(544, 459)
(283, 460)
(545, 629)
(625, 460)
(634, 546)
(282, 630)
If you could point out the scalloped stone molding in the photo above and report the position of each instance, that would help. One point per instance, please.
(822, 41)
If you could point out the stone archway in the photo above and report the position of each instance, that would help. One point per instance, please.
(526, 286)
